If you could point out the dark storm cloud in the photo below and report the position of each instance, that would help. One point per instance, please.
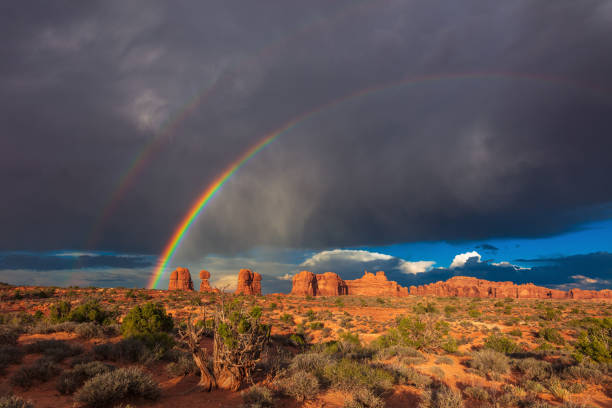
(487, 247)
(41, 262)
(85, 87)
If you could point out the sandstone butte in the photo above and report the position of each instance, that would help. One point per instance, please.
(307, 283)
(180, 279)
(249, 283)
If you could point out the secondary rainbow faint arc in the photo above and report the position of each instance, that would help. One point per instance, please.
(212, 189)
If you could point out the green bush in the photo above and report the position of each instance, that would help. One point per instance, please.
(14, 401)
(476, 393)
(595, 343)
(552, 335)
(450, 345)
(350, 375)
(414, 332)
(501, 344)
(90, 311)
(287, 318)
(150, 324)
(71, 380)
(450, 309)
(487, 360)
(59, 311)
(115, 386)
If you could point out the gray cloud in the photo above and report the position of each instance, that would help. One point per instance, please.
(85, 88)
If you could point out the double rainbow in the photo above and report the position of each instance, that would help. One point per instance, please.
(215, 186)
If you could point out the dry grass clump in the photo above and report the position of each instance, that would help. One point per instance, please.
(489, 361)
(364, 398)
(300, 385)
(71, 380)
(14, 401)
(258, 397)
(440, 396)
(112, 387)
(41, 370)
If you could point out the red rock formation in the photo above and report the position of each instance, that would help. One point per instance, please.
(180, 279)
(375, 285)
(464, 286)
(307, 283)
(249, 283)
(205, 285)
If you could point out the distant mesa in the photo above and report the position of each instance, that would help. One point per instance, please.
(180, 279)
(307, 283)
(464, 286)
(249, 283)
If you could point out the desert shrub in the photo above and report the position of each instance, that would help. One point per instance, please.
(287, 318)
(409, 376)
(364, 398)
(532, 369)
(516, 333)
(441, 396)
(56, 350)
(399, 351)
(131, 349)
(551, 334)
(595, 343)
(310, 362)
(487, 360)
(475, 313)
(414, 332)
(586, 371)
(59, 311)
(450, 309)
(557, 389)
(550, 314)
(316, 326)
(476, 393)
(444, 360)
(184, 365)
(14, 401)
(115, 386)
(258, 397)
(9, 354)
(40, 370)
(501, 344)
(90, 311)
(89, 330)
(150, 324)
(449, 345)
(300, 385)
(349, 375)
(8, 335)
(71, 380)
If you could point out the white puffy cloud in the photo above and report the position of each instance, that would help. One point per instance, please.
(461, 259)
(585, 280)
(506, 264)
(349, 263)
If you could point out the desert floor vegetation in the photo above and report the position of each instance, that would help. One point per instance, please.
(93, 347)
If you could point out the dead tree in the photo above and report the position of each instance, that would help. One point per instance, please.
(239, 338)
(192, 336)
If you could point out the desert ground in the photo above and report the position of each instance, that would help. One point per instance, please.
(67, 347)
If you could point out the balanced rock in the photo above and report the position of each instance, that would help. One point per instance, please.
(375, 285)
(180, 279)
(249, 283)
(205, 285)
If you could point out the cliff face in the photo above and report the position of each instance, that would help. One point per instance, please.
(375, 285)
(464, 286)
(307, 283)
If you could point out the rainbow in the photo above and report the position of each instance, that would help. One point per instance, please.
(215, 186)
(141, 161)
